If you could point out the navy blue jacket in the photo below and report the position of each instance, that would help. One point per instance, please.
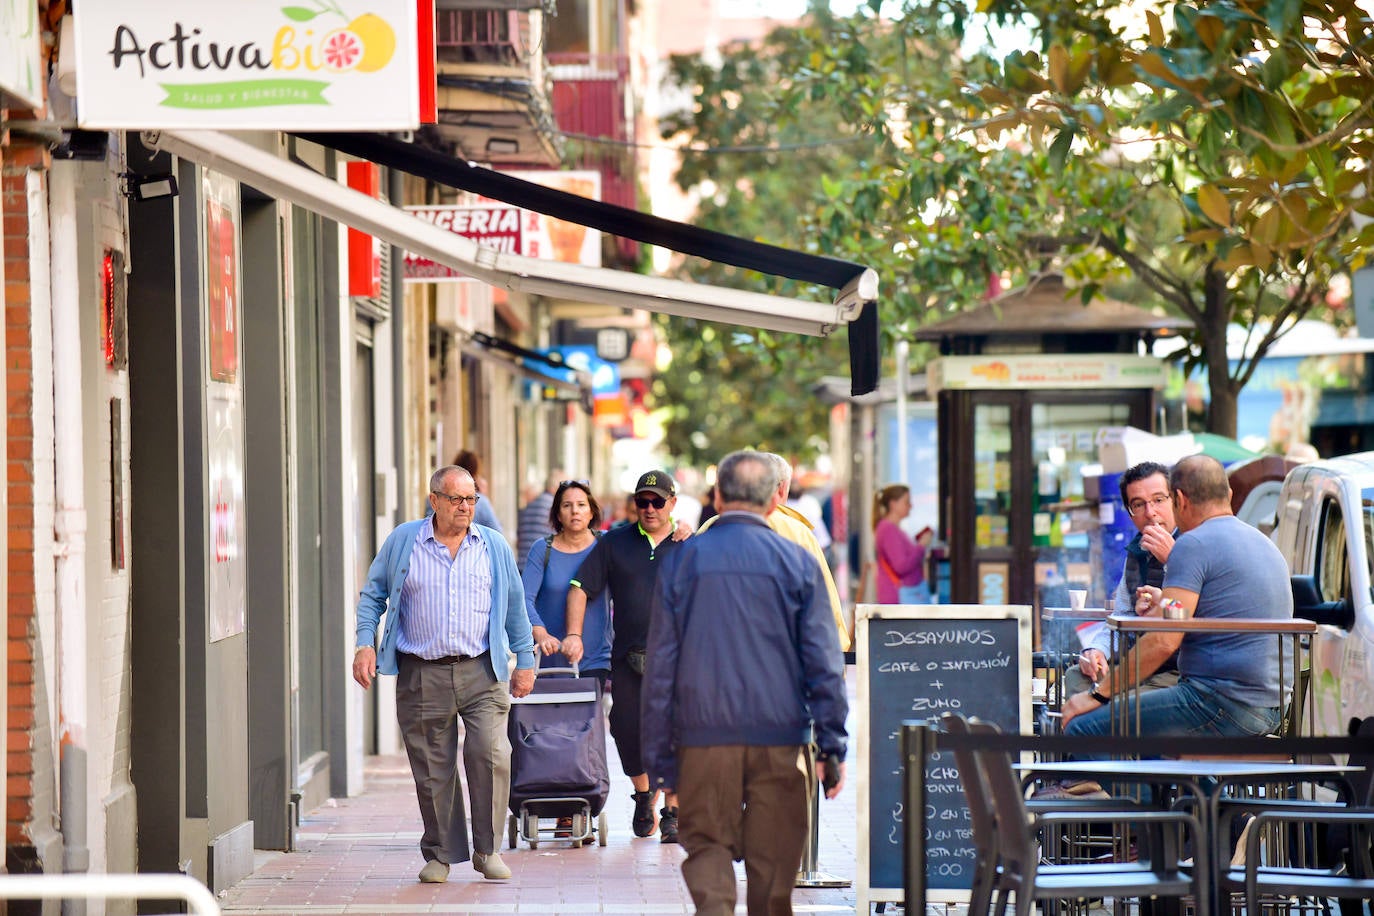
(742, 648)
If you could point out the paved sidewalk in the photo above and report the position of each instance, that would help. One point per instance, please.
(361, 856)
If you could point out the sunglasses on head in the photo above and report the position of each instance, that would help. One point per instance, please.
(573, 483)
(644, 502)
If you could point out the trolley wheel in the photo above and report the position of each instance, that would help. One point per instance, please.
(512, 831)
(601, 822)
(532, 830)
(578, 826)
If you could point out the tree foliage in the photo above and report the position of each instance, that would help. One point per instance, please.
(1211, 153)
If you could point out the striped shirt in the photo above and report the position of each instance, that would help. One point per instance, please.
(445, 606)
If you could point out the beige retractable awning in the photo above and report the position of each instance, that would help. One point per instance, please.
(285, 180)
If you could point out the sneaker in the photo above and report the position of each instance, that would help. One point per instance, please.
(1058, 792)
(667, 825)
(490, 865)
(643, 820)
(434, 872)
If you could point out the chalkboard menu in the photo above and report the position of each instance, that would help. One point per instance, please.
(917, 662)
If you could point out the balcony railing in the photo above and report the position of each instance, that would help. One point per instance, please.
(482, 37)
(591, 105)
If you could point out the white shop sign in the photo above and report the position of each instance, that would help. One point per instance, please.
(248, 65)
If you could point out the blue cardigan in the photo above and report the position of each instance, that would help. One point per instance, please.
(510, 626)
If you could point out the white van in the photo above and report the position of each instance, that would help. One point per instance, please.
(1325, 530)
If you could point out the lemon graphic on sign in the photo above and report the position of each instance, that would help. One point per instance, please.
(379, 41)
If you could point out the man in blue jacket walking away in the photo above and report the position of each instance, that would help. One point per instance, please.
(744, 672)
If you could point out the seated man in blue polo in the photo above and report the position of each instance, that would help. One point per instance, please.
(1219, 568)
(1145, 494)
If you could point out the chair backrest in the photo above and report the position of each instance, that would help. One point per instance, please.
(975, 791)
(1363, 782)
(1016, 844)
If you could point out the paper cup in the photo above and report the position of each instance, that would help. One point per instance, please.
(1078, 598)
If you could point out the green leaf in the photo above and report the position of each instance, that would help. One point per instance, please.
(1059, 149)
(299, 13)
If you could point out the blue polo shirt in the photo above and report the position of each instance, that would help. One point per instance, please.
(626, 562)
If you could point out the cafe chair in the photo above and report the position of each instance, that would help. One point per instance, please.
(1015, 845)
(1298, 847)
(1351, 877)
(983, 819)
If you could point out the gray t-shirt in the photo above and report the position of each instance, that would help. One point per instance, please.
(1236, 572)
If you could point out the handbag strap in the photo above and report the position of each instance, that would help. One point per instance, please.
(887, 568)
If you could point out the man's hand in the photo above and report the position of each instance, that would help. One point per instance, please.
(521, 682)
(1093, 664)
(1147, 601)
(682, 532)
(546, 642)
(572, 648)
(831, 769)
(365, 666)
(1076, 705)
(1158, 540)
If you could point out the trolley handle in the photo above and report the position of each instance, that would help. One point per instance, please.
(540, 672)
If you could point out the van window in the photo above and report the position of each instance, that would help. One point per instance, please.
(1333, 568)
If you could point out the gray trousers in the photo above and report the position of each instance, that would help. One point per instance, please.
(430, 697)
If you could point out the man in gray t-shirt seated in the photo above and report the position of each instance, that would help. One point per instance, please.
(1219, 567)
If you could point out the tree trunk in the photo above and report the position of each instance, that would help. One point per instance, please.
(1222, 411)
(1225, 394)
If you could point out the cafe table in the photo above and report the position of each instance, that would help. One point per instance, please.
(1125, 628)
(1207, 780)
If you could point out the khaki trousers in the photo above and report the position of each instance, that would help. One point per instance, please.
(743, 802)
(430, 698)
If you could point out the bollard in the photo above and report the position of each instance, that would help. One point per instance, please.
(917, 743)
(810, 875)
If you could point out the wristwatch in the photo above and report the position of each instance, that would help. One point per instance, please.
(1097, 696)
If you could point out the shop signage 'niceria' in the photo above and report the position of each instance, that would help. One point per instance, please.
(312, 64)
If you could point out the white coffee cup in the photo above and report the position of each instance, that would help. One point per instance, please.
(1078, 597)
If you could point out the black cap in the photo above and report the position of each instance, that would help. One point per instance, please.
(660, 482)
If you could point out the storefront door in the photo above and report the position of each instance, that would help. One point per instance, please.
(1014, 476)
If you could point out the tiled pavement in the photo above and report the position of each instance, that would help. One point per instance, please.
(361, 855)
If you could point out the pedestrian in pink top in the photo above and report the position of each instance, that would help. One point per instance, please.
(901, 561)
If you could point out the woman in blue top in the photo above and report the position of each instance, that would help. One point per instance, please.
(549, 569)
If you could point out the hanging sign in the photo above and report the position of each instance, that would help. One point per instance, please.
(248, 65)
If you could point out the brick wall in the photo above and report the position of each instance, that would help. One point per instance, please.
(29, 790)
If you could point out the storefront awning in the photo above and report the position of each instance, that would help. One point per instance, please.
(489, 350)
(855, 306)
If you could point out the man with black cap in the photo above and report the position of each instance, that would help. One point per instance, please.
(626, 560)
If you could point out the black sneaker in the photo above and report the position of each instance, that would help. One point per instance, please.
(667, 825)
(643, 820)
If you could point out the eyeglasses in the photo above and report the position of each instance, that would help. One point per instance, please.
(574, 483)
(644, 502)
(458, 500)
(1138, 507)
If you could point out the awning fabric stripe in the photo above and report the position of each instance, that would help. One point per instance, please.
(595, 214)
(864, 338)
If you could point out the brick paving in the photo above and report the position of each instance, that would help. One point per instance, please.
(361, 855)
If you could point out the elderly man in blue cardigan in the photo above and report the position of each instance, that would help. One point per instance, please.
(458, 612)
